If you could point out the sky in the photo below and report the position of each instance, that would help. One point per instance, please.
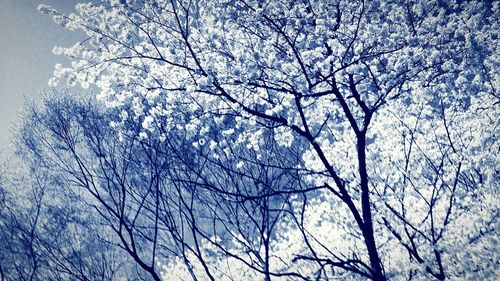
(27, 38)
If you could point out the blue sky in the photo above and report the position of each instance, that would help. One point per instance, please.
(26, 60)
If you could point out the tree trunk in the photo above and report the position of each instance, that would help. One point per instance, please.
(367, 227)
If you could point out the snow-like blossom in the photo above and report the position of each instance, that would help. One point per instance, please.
(390, 106)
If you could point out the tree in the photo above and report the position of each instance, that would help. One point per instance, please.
(49, 231)
(46, 235)
(378, 99)
(71, 142)
(147, 198)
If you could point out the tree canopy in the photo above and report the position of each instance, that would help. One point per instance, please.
(295, 139)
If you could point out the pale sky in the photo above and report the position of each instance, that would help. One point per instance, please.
(27, 38)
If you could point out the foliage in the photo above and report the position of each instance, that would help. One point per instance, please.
(358, 138)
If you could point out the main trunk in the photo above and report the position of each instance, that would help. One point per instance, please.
(367, 227)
